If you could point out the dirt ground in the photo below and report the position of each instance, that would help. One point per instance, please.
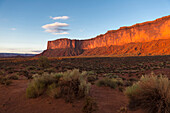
(13, 97)
(13, 100)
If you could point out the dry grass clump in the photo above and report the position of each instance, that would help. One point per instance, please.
(69, 85)
(5, 81)
(43, 62)
(14, 77)
(39, 84)
(90, 105)
(151, 93)
(113, 83)
(73, 85)
(123, 110)
(91, 77)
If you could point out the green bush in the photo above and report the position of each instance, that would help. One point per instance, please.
(122, 110)
(1, 72)
(90, 105)
(151, 93)
(121, 88)
(31, 68)
(133, 79)
(54, 91)
(73, 85)
(111, 75)
(39, 84)
(128, 83)
(107, 82)
(25, 73)
(69, 85)
(50, 70)
(91, 78)
(43, 62)
(5, 81)
(14, 77)
(91, 73)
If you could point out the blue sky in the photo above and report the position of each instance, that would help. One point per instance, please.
(22, 21)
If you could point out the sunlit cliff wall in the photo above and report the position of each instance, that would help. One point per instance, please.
(143, 32)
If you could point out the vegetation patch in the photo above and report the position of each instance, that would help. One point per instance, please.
(90, 105)
(70, 85)
(5, 81)
(113, 83)
(151, 93)
(43, 62)
(14, 77)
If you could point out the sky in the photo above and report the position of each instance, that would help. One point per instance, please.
(27, 25)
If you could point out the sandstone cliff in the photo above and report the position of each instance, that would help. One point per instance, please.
(117, 40)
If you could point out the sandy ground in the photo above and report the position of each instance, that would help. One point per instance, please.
(13, 100)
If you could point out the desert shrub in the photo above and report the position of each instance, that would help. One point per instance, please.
(151, 93)
(91, 78)
(43, 62)
(123, 110)
(128, 83)
(10, 71)
(50, 70)
(111, 75)
(121, 88)
(14, 77)
(118, 81)
(31, 68)
(115, 76)
(133, 79)
(25, 73)
(107, 82)
(2, 72)
(54, 91)
(39, 84)
(123, 78)
(7, 68)
(69, 85)
(5, 81)
(91, 73)
(90, 105)
(33, 72)
(73, 85)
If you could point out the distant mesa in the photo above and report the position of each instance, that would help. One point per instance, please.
(4, 55)
(141, 39)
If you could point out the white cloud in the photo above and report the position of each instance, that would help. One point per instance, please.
(63, 33)
(59, 17)
(13, 29)
(54, 25)
(20, 50)
(56, 28)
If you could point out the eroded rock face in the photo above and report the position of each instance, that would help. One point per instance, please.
(148, 38)
(143, 32)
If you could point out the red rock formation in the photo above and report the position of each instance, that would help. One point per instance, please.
(138, 33)
(155, 47)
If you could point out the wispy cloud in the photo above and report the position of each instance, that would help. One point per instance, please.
(13, 29)
(56, 28)
(63, 33)
(59, 17)
(19, 50)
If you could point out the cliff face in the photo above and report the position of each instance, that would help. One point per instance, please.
(143, 32)
(155, 47)
(146, 36)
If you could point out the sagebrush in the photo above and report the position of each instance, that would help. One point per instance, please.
(151, 93)
(69, 85)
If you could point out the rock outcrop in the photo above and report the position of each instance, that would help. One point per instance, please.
(148, 38)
